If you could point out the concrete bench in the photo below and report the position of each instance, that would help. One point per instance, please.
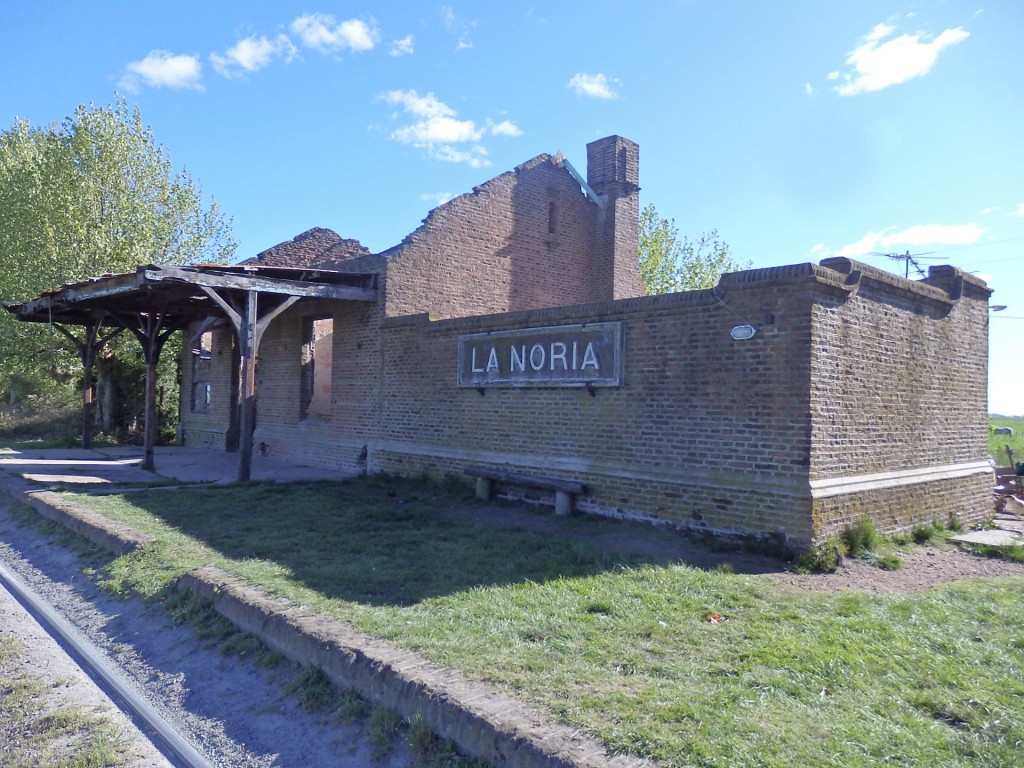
(566, 491)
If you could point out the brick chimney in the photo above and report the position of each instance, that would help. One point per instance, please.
(613, 172)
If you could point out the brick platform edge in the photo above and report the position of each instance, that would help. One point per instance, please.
(482, 722)
(102, 531)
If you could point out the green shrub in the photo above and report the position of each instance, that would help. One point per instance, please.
(923, 534)
(825, 557)
(314, 688)
(421, 738)
(861, 537)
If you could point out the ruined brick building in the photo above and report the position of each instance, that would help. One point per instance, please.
(510, 332)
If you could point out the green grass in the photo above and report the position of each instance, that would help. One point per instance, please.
(997, 444)
(618, 646)
(1013, 552)
(63, 738)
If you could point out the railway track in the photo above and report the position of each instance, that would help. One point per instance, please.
(177, 749)
(201, 705)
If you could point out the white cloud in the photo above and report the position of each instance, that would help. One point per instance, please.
(436, 198)
(598, 86)
(876, 65)
(937, 234)
(474, 157)
(448, 18)
(251, 55)
(322, 32)
(504, 128)
(161, 69)
(832, 76)
(402, 47)
(867, 244)
(458, 26)
(1019, 212)
(808, 89)
(437, 129)
(420, 106)
(915, 236)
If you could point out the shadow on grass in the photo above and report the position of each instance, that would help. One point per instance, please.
(380, 541)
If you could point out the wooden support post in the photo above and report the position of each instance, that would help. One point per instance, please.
(247, 400)
(88, 348)
(150, 424)
(249, 329)
(87, 405)
(152, 339)
(88, 351)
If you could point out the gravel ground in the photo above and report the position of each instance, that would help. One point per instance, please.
(42, 660)
(234, 712)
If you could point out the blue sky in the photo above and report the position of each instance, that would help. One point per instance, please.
(799, 130)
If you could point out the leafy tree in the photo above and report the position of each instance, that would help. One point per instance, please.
(668, 264)
(93, 195)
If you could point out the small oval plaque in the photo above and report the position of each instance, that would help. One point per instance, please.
(743, 332)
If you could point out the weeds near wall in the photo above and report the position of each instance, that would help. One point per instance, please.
(825, 557)
(861, 538)
(1013, 553)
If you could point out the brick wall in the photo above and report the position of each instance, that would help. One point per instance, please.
(338, 439)
(208, 428)
(899, 399)
(861, 394)
(527, 239)
(522, 240)
(704, 430)
(794, 433)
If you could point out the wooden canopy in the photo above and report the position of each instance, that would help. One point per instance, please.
(154, 301)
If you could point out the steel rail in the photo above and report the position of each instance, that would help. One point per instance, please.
(174, 747)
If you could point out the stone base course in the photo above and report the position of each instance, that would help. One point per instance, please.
(482, 722)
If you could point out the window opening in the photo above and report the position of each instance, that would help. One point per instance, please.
(317, 363)
(202, 388)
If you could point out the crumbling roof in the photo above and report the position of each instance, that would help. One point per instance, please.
(317, 247)
(325, 249)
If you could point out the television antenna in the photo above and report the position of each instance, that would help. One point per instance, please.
(908, 261)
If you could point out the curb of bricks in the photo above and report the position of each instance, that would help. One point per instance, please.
(481, 722)
(102, 531)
